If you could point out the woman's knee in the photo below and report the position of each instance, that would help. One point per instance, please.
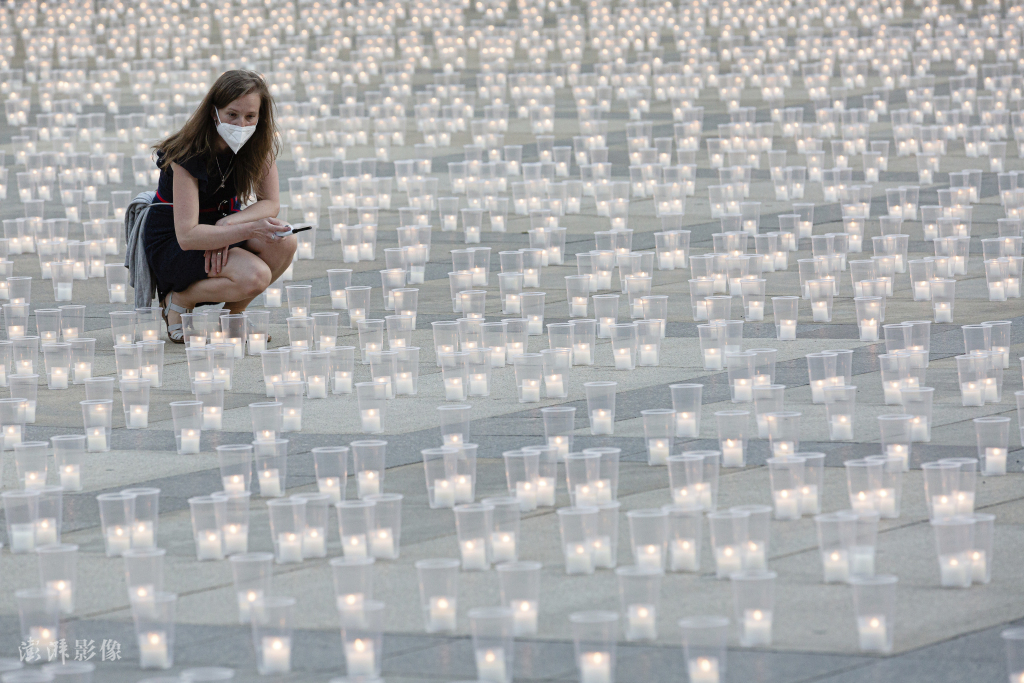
(253, 279)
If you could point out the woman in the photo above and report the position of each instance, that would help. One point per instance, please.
(201, 247)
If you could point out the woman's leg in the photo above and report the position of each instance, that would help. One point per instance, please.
(244, 277)
(277, 256)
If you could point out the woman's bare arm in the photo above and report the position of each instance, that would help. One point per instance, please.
(193, 236)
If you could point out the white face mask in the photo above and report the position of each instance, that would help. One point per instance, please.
(235, 136)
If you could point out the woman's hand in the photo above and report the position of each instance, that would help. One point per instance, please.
(266, 229)
(216, 259)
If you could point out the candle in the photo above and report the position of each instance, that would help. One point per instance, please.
(209, 545)
(703, 670)
(96, 439)
(943, 312)
(787, 504)
(624, 359)
(841, 428)
(150, 372)
(270, 483)
(58, 378)
(578, 307)
(871, 633)
(601, 422)
(503, 546)
(757, 628)
(526, 494)
(649, 556)
(657, 451)
(581, 353)
(755, 310)
(370, 420)
(578, 559)
(728, 560)
(312, 544)
(809, 500)
(649, 354)
(360, 659)
(246, 599)
(444, 493)
(524, 617)
(368, 482)
(955, 571)
(920, 429)
(153, 652)
(382, 544)
(732, 453)
(554, 386)
(862, 561)
(277, 655)
(354, 545)
(70, 478)
(964, 502)
(236, 538)
(46, 531)
(453, 389)
(979, 567)
(686, 425)
(212, 417)
(742, 391)
(474, 555)
(836, 564)
(441, 614)
(971, 394)
(683, 555)
(143, 535)
(995, 461)
(138, 416)
(641, 623)
(712, 359)
(512, 304)
(819, 311)
(786, 330)
(595, 667)
(34, 480)
(64, 593)
(529, 391)
(601, 552)
(189, 441)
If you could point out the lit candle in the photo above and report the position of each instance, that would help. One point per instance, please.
(503, 546)
(787, 504)
(529, 391)
(360, 659)
(189, 441)
(757, 628)
(441, 614)
(153, 651)
(581, 353)
(209, 545)
(370, 420)
(277, 655)
(354, 545)
(270, 483)
(70, 478)
(143, 535)
(595, 667)
(601, 422)
(382, 544)
(641, 623)
(474, 554)
(236, 538)
(703, 670)
(118, 540)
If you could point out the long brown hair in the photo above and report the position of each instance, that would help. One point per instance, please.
(199, 134)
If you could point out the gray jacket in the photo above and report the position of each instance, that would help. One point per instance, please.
(135, 261)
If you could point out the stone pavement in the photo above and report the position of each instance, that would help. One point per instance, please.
(941, 635)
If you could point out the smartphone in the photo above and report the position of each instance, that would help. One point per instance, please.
(294, 229)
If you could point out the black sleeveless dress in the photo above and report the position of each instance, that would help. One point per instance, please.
(173, 268)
